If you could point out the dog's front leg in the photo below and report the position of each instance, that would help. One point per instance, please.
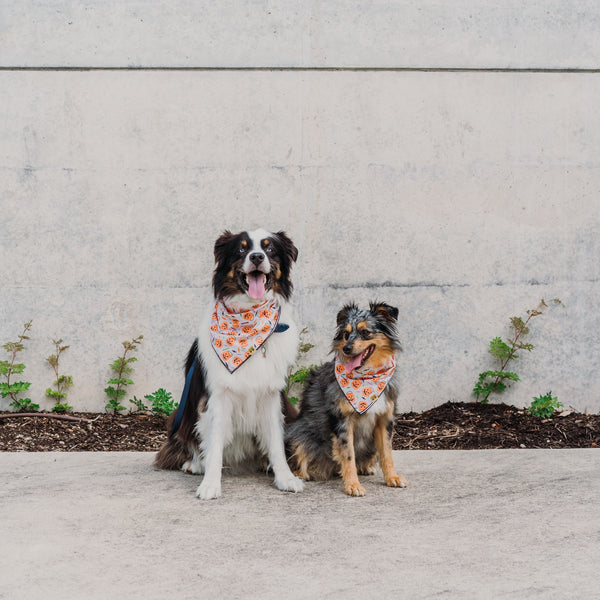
(215, 432)
(343, 453)
(272, 435)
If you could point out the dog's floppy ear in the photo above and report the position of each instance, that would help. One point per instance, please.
(222, 245)
(288, 246)
(384, 311)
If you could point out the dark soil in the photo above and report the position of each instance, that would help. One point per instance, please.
(95, 433)
(458, 426)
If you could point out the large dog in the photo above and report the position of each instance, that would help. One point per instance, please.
(347, 409)
(237, 366)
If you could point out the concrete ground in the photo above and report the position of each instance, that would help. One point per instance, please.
(475, 524)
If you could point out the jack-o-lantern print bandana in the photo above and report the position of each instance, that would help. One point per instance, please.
(236, 335)
(363, 388)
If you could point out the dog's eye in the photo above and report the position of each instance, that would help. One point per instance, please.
(346, 335)
(268, 250)
(365, 334)
(242, 249)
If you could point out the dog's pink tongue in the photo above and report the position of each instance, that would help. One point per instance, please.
(353, 363)
(256, 286)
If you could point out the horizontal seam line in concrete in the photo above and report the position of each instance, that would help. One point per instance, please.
(316, 69)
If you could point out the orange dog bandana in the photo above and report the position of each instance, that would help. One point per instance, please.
(236, 335)
(363, 389)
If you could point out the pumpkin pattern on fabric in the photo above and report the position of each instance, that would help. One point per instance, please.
(368, 385)
(236, 335)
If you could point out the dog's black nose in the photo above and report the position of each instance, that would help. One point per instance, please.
(347, 349)
(256, 258)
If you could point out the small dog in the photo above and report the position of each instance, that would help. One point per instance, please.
(348, 404)
(237, 366)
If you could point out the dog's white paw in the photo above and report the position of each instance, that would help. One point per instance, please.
(353, 488)
(396, 481)
(208, 490)
(289, 483)
(192, 466)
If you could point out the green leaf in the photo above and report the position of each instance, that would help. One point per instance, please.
(19, 386)
(500, 349)
(114, 393)
(55, 395)
(24, 405)
(114, 406)
(64, 381)
(120, 381)
(523, 346)
(301, 375)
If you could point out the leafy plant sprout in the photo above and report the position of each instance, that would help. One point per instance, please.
(121, 367)
(62, 383)
(544, 406)
(139, 405)
(8, 368)
(162, 403)
(161, 400)
(494, 381)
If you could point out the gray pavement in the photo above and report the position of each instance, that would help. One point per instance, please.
(473, 524)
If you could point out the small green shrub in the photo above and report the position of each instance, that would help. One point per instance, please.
(544, 406)
(298, 377)
(8, 368)
(162, 403)
(62, 383)
(506, 351)
(121, 367)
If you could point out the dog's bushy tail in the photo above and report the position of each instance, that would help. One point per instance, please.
(173, 453)
(180, 444)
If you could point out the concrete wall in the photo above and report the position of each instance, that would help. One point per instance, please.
(440, 156)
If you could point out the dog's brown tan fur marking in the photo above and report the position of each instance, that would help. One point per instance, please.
(301, 460)
(329, 437)
(383, 442)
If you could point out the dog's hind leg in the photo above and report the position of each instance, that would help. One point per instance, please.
(299, 459)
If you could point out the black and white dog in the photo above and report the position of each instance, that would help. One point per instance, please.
(238, 363)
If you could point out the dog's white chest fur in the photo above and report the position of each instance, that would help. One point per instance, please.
(243, 414)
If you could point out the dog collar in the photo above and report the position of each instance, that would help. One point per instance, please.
(363, 389)
(236, 334)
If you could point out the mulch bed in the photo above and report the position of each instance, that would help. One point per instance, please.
(471, 426)
(451, 426)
